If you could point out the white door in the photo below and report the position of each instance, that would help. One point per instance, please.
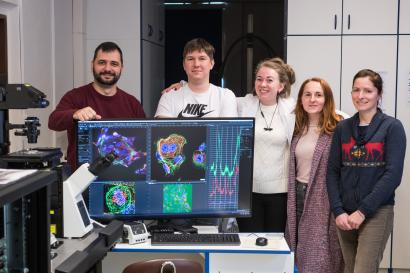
(374, 52)
(315, 56)
(401, 247)
(370, 16)
(314, 17)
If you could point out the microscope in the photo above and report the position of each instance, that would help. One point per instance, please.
(24, 96)
(77, 221)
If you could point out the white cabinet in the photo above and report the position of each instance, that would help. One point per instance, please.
(152, 53)
(369, 37)
(401, 247)
(152, 26)
(332, 17)
(315, 56)
(314, 17)
(249, 262)
(370, 16)
(404, 25)
(378, 53)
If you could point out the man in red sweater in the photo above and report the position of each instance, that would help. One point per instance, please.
(99, 99)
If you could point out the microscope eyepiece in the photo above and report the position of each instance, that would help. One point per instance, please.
(101, 163)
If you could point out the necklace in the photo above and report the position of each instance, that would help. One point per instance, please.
(268, 128)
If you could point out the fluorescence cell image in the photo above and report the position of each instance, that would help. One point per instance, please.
(129, 148)
(199, 156)
(177, 198)
(119, 198)
(169, 153)
(178, 154)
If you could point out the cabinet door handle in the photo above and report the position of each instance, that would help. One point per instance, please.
(160, 35)
(335, 21)
(348, 21)
(150, 30)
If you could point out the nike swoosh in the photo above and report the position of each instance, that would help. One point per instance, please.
(203, 114)
(199, 116)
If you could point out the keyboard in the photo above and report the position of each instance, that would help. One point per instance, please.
(161, 229)
(195, 239)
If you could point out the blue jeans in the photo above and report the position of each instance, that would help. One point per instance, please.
(363, 248)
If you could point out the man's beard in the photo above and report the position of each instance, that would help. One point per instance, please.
(98, 78)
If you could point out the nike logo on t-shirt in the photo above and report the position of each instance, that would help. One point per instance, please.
(194, 110)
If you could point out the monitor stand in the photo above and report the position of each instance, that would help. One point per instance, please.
(174, 225)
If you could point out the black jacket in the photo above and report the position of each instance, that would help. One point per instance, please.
(364, 171)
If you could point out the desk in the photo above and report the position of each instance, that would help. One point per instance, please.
(69, 246)
(275, 257)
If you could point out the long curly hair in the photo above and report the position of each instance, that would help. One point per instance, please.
(328, 118)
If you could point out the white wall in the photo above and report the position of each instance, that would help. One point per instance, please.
(29, 59)
(106, 20)
(63, 62)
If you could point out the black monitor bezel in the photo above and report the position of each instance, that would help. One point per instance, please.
(174, 216)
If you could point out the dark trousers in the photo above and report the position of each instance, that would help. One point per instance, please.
(268, 213)
(300, 200)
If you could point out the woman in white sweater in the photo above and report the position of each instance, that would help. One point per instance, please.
(272, 108)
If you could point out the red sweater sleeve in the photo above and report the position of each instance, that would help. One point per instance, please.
(62, 117)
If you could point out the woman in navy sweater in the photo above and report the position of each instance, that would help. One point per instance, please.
(365, 167)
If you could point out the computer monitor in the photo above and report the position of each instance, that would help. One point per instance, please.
(169, 168)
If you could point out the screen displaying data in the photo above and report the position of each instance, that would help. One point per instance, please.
(169, 168)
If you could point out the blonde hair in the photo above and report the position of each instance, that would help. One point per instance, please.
(285, 73)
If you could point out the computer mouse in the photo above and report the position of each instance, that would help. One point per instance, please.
(261, 241)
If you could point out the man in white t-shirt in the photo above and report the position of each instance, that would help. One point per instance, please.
(198, 98)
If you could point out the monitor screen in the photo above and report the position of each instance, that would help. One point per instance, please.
(169, 168)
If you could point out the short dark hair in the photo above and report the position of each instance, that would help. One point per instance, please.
(108, 47)
(199, 44)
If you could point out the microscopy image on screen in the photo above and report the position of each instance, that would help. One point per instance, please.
(119, 198)
(177, 198)
(178, 153)
(129, 147)
(161, 165)
(199, 156)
